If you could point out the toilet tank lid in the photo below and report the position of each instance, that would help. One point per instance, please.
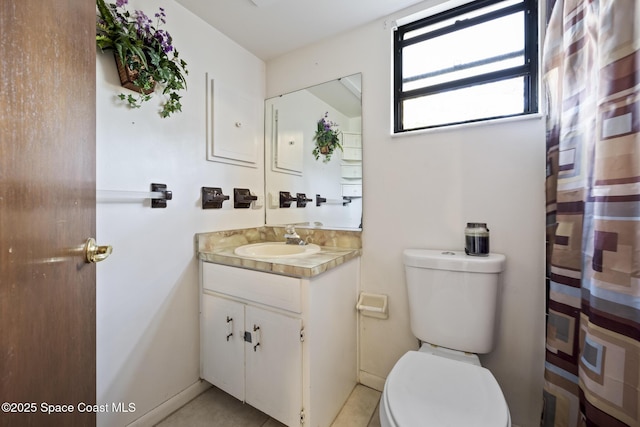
(439, 259)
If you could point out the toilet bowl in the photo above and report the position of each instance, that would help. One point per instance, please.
(438, 389)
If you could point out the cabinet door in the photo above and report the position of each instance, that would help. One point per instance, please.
(274, 364)
(223, 344)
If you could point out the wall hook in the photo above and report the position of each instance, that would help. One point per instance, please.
(212, 198)
(242, 198)
(301, 200)
(286, 199)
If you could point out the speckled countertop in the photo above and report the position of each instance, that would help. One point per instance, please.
(337, 247)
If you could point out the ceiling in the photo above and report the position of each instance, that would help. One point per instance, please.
(270, 28)
(344, 94)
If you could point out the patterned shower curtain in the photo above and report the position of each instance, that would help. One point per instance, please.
(591, 67)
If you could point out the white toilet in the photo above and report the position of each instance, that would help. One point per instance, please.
(452, 308)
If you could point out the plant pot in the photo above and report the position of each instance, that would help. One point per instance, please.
(324, 149)
(128, 76)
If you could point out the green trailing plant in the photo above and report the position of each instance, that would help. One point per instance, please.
(327, 138)
(145, 49)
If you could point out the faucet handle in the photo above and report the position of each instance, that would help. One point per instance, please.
(290, 229)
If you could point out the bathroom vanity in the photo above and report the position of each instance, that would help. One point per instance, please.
(280, 334)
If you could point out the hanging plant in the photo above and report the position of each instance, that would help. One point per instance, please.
(144, 52)
(327, 138)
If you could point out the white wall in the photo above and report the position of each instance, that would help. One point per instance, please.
(147, 300)
(420, 190)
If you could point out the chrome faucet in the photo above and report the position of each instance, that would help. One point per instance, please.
(291, 237)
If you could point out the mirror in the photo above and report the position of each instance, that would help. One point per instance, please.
(333, 189)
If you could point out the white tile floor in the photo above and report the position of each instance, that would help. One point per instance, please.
(215, 408)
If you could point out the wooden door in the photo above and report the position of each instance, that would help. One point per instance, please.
(47, 211)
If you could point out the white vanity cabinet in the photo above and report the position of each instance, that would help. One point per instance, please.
(285, 345)
(252, 370)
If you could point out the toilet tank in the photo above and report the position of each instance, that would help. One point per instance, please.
(453, 297)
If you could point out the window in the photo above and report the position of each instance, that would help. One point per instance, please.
(475, 62)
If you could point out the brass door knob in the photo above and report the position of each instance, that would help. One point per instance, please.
(94, 253)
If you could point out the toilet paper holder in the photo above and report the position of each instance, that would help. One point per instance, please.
(373, 305)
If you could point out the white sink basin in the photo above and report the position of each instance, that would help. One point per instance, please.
(276, 250)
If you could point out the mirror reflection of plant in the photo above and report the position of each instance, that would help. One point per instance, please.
(145, 49)
(327, 138)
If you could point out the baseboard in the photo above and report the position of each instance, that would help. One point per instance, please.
(372, 381)
(168, 407)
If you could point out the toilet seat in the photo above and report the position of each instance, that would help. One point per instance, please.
(428, 390)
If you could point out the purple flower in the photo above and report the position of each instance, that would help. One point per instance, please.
(327, 125)
(134, 34)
